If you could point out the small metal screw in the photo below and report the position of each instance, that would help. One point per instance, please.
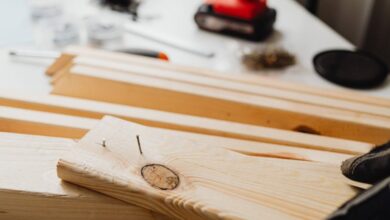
(103, 143)
(139, 145)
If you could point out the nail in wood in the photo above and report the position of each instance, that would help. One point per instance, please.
(139, 145)
(104, 142)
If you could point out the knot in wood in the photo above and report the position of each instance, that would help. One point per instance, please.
(160, 176)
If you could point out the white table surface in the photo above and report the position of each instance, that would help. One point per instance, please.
(296, 30)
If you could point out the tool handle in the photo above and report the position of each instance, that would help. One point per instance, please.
(146, 53)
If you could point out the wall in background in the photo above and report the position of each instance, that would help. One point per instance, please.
(350, 18)
(377, 39)
(365, 23)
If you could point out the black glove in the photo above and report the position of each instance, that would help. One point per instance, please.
(371, 204)
(374, 203)
(369, 168)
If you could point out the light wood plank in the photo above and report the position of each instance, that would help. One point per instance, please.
(59, 64)
(341, 94)
(153, 72)
(166, 95)
(214, 183)
(149, 117)
(24, 121)
(49, 124)
(30, 188)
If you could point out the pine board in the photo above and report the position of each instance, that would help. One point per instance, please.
(30, 188)
(165, 95)
(263, 91)
(341, 94)
(58, 125)
(214, 183)
(175, 121)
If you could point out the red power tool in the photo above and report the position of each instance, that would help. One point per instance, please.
(248, 19)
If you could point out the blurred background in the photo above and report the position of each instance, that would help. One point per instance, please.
(300, 29)
(365, 23)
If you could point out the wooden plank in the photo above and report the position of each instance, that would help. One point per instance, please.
(341, 94)
(41, 123)
(199, 182)
(166, 95)
(260, 149)
(153, 72)
(49, 124)
(61, 72)
(160, 119)
(59, 64)
(30, 188)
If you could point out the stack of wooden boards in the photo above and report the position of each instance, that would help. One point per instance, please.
(227, 137)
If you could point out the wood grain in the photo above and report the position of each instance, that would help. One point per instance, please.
(152, 72)
(340, 94)
(175, 121)
(42, 123)
(59, 64)
(183, 98)
(49, 124)
(214, 183)
(30, 189)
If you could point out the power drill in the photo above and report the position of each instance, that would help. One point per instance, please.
(248, 19)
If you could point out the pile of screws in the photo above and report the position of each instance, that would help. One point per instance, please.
(127, 6)
(269, 58)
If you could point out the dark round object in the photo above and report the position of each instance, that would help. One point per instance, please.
(354, 69)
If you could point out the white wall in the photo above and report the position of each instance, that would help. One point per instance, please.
(348, 17)
(378, 35)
